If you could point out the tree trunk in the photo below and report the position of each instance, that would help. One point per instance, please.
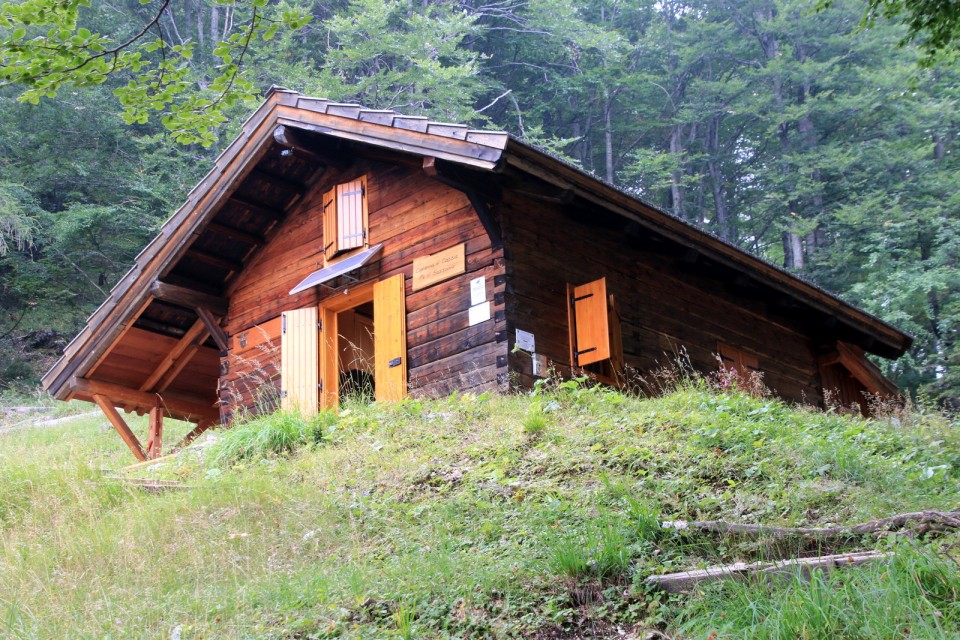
(676, 176)
(608, 140)
(792, 251)
(716, 178)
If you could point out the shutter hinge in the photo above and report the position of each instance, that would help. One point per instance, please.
(283, 393)
(574, 300)
(395, 362)
(320, 325)
(283, 323)
(320, 386)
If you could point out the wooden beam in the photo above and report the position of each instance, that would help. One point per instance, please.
(254, 205)
(164, 383)
(189, 298)
(280, 181)
(489, 223)
(216, 261)
(176, 406)
(236, 234)
(195, 335)
(120, 425)
(855, 361)
(295, 142)
(213, 327)
(155, 433)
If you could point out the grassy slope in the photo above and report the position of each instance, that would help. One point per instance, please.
(462, 517)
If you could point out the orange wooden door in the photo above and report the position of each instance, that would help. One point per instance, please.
(299, 366)
(390, 339)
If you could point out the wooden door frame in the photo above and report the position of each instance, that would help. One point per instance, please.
(329, 348)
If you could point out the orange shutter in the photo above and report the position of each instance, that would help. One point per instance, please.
(350, 215)
(299, 367)
(590, 324)
(739, 361)
(330, 246)
(748, 363)
(390, 339)
(729, 357)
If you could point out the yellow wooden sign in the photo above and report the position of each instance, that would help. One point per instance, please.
(439, 266)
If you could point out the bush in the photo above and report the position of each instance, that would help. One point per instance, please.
(272, 434)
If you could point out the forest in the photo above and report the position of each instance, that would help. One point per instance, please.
(789, 128)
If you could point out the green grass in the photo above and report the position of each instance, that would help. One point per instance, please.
(454, 518)
(916, 594)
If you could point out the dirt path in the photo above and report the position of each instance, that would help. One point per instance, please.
(39, 422)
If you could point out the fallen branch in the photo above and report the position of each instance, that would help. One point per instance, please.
(928, 520)
(783, 569)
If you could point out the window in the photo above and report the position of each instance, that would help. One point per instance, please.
(345, 218)
(741, 362)
(594, 325)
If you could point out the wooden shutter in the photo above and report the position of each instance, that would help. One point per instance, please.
(390, 339)
(740, 361)
(589, 323)
(351, 231)
(330, 246)
(616, 340)
(298, 361)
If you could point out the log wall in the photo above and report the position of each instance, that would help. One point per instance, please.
(668, 309)
(413, 216)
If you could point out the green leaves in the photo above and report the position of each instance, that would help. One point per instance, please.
(47, 49)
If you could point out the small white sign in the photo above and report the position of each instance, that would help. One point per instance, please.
(478, 290)
(479, 313)
(539, 365)
(525, 341)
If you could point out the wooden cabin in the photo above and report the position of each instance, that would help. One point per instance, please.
(336, 249)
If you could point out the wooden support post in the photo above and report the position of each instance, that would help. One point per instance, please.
(214, 328)
(155, 437)
(118, 423)
(190, 437)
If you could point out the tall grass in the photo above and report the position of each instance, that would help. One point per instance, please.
(914, 594)
(271, 434)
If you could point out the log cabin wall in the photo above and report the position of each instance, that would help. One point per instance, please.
(668, 303)
(413, 216)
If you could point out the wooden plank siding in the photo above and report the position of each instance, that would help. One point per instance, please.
(667, 309)
(413, 216)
